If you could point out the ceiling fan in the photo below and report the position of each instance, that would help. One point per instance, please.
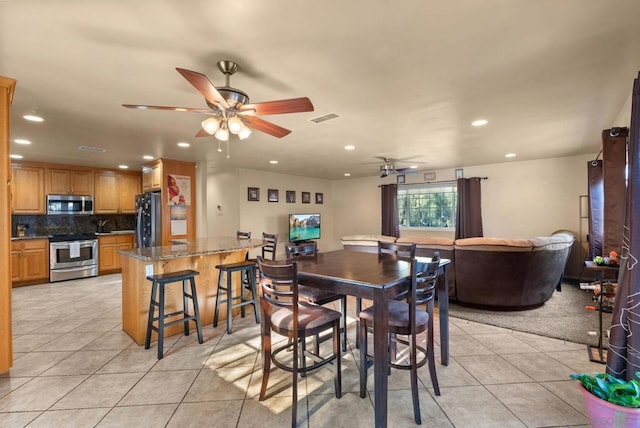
(229, 108)
(389, 166)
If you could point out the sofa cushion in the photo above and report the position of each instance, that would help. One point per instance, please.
(493, 244)
(426, 241)
(555, 242)
(371, 240)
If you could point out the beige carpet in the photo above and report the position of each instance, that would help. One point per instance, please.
(563, 317)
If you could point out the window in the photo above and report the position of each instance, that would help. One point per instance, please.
(428, 205)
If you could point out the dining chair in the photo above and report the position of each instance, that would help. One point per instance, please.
(318, 296)
(405, 250)
(407, 320)
(284, 314)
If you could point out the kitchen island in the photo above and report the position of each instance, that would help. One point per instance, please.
(202, 254)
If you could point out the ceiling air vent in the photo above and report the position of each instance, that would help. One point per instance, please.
(320, 119)
(92, 149)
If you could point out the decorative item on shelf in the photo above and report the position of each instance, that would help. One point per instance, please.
(610, 401)
(611, 260)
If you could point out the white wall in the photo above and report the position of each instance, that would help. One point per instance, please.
(520, 199)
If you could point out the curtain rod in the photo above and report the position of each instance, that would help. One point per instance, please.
(432, 182)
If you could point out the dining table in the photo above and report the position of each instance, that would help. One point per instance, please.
(378, 278)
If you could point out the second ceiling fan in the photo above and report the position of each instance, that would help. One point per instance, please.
(229, 108)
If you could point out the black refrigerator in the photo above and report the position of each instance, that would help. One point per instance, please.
(148, 220)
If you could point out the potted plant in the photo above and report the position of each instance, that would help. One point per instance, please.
(610, 402)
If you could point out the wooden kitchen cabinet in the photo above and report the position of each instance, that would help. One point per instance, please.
(70, 182)
(108, 257)
(152, 176)
(115, 192)
(29, 261)
(27, 190)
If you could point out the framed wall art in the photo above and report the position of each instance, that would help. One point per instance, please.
(306, 197)
(291, 196)
(253, 194)
(319, 198)
(272, 195)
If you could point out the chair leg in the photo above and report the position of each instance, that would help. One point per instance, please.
(294, 401)
(196, 310)
(218, 296)
(431, 360)
(152, 310)
(229, 302)
(185, 307)
(343, 321)
(414, 379)
(266, 359)
(337, 376)
(254, 293)
(362, 335)
(161, 322)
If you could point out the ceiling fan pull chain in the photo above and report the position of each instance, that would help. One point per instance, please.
(219, 147)
(228, 156)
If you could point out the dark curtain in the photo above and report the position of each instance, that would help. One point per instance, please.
(390, 210)
(596, 208)
(614, 158)
(623, 358)
(469, 215)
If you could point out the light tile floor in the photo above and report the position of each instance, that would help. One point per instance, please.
(74, 367)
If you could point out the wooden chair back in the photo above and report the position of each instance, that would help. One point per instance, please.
(406, 250)
(270, 245)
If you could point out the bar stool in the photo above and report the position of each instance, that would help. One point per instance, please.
(158, 283)
(247, 269)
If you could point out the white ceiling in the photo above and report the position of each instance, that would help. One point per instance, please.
(406, 78)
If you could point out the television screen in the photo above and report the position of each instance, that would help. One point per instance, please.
(304, 227)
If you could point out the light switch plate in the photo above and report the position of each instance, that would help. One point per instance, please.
(148, 270)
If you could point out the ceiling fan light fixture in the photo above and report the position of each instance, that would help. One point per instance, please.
(235, 125)
(222, 134)
(210, 125)
(244, 133)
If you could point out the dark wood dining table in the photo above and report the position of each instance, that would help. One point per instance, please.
(377, 278)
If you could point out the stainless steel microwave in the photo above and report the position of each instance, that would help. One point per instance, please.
(69, 204)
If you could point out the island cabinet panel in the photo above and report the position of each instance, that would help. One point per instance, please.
(108, 257)
(70, 182)
(27, 190)
(29, 261)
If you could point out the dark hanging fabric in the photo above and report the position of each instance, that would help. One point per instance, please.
(596, 207)
(469, 215)
(614, 158)
(390, 210)
(623, 359)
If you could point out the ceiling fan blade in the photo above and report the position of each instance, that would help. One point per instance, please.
(204, 86)
(146, 107)
(203, 133)
(293, 105)
(264, 126)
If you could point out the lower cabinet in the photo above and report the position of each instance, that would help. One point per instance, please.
(108, 257)
(29, 261)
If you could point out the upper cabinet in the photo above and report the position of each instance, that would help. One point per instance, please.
(115, 192)
(152, 176)
(70, 182)
(27, 190)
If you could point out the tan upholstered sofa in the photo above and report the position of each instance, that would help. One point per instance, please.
(493, 273)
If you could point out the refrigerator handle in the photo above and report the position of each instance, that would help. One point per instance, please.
(140, 244)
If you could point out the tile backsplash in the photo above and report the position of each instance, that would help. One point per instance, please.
(42, 225)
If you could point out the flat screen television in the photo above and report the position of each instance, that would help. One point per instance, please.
(304, 227)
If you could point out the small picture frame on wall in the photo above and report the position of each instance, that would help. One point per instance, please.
(429, 176)
(291, 196)
(306, 197)
(400, 179)
(459, 173)
(253, 194)
(319, 198)
(272, 195)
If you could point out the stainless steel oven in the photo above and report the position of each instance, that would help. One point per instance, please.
(72, 257)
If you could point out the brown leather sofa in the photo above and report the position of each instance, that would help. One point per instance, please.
(493, 273)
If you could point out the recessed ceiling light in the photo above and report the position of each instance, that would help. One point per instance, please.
(347, 174)
(15, 156)
(33, 118)
(123, 166)
(510, 155)
(480, 122)
(183, 144)
(349, 147)
(273, 162)
(147, 157)
(414, 167)
(21, 141)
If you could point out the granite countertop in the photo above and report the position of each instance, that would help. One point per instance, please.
(22, 238)
(197, 247)
(117, 232)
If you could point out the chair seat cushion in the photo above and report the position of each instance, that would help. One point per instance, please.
(398, 315)
(317, 295)
(310, 318)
